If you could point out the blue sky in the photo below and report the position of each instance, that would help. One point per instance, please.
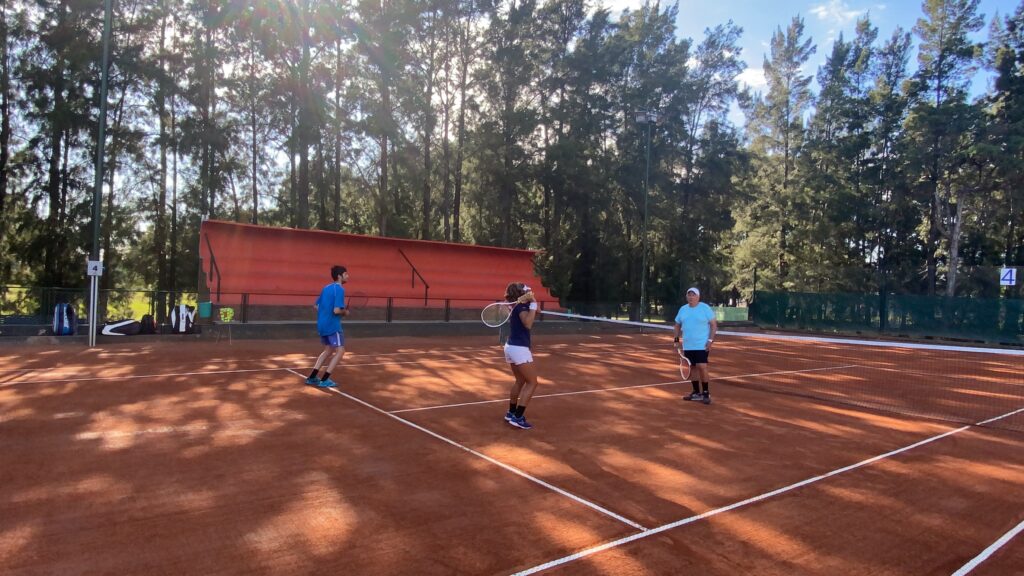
(824, 20)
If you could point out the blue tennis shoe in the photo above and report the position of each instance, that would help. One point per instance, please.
(327, 384)
(313, 381)
(520, 422)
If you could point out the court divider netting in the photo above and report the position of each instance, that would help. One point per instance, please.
(959, 384)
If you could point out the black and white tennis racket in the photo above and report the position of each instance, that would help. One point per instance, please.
(497, 314)
(684, 363)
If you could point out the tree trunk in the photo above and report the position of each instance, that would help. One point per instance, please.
(954, 246)
(236, 204)
(446, 154)
(5, 132)
(293, 177)
(507, 189)
(337, 135)
(382, 185)
(204, 105)
(428, 132)
(107, 280)
(160, 226)
(321, 185)
(934, 233)
(172, 269)
(545, 217)
(5, 122)
(51, 274)
(253, 134)
(304, 129)
(932, 239)
(461, 137)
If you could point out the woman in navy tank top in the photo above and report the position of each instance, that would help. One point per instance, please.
(518, 353)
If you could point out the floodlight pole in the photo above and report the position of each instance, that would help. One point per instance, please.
(647, 118)
(94, 270)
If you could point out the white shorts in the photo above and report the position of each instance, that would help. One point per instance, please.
(518, 354)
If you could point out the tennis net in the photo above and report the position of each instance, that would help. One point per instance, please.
(968, 385)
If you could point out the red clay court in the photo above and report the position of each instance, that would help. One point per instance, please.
(214, 458)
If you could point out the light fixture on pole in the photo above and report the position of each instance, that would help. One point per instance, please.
(647, 118)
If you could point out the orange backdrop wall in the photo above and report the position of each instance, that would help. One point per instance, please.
(270, 264)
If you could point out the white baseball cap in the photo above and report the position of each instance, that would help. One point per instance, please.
(695, 290)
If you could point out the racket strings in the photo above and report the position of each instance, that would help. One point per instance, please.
(495, 314)
(684, 364)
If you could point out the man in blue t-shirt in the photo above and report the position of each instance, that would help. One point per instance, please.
(330, 307)
(699, 326)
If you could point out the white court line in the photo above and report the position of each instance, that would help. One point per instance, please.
(238, 371)
(512, 469)
(134, 376)
(595, 390)
(14, 370)
(966, 568)
(755, 499)
(592, 391)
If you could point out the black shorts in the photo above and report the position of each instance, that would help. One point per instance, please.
(696, 356)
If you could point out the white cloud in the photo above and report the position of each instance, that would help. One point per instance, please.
(752, 77)
(836, 11)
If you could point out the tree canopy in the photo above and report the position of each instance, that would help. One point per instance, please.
(513, 123)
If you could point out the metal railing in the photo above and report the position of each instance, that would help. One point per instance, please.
(415, 273)
(213, 266)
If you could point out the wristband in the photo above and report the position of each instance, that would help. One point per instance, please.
(533, 305)
(710, 340)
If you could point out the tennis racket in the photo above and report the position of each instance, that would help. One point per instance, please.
(497, 314)
(684, 364)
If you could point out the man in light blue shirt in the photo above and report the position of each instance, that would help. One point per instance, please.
(330, 307)
(696, 320)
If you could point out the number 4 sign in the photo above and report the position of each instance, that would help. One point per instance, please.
(1007, 276)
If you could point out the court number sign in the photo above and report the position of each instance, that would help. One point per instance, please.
(94, 268)
(1008, 277)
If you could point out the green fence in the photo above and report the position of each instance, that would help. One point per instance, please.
(730, 313)
(994, 320)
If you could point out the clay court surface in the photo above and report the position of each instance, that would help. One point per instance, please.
(199, 458)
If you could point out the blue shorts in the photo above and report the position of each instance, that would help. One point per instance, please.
(336, 340)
